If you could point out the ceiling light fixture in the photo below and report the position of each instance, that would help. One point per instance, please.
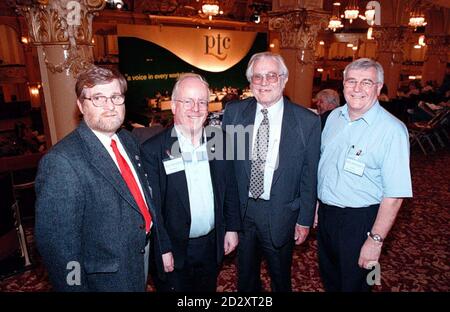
(210, 8)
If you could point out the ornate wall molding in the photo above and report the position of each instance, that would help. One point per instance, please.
(299, 30)
(13, 74)
(437, 45)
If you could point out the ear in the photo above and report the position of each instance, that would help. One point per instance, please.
(80, 106)
(285, 81)
(379, 87)
(173, 106)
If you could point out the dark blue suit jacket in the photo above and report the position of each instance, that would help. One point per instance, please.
(294, 184)
(86, 213)
(172, 197)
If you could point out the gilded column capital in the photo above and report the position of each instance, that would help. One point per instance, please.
(59, 21)
(392, 39)
(64, 23)
(299, 30)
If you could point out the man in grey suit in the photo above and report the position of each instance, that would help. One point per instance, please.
(276, 174)
(94, 209)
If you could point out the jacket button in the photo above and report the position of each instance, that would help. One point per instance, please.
(142, 251)
(141, 226)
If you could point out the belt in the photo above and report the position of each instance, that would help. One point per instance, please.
(337, 207)
(203, 236)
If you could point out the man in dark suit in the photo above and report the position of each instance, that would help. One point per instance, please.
(93, 198)
(277, 179)
(196, 190)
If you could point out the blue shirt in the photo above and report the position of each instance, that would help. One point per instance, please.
(199, 184)
(377, 141)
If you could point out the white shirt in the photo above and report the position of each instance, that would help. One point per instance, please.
(198, 178)
(106, 141)
(275, 115)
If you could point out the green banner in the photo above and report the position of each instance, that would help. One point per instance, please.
(150, 68)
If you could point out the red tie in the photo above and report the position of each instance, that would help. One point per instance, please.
(132, 185)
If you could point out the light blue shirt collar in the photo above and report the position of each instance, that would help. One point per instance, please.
(369, 116)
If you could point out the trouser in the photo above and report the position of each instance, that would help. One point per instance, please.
(255, 242)
(200, 269)
(341, 234)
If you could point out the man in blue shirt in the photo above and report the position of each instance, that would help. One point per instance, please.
(363, 177)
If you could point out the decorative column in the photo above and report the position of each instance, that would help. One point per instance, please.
(298, 31)
(62, 32)
(434, 67)
(390, 43)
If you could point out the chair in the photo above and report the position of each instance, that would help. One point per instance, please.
(421, 132)
(14, 255)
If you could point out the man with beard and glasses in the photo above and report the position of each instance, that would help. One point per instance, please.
(94, 209)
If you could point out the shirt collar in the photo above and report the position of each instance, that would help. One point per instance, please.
(368, 117)
(186, 144)
(273, 110)
(105, 139)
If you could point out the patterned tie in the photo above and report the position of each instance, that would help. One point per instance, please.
(259, 157)
(132, 185)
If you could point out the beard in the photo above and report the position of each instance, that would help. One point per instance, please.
(107, 122)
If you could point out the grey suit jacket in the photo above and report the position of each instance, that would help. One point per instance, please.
(294, 185)
(88, 224)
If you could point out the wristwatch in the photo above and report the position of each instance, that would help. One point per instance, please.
(375, 237)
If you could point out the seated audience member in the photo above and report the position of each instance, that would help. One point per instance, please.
(326, 101)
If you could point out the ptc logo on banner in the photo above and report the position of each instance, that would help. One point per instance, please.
(216, 46)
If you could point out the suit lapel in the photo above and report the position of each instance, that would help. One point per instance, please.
(99, 157)
(212, 150)
(289, 135)
(177, 179)
(248, 118)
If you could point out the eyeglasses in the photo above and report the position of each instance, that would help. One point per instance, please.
(270, 78)
(189, 103)
(366, 83)
(101, 100)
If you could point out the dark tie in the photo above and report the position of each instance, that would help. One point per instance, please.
(259, 157)
(132, 185)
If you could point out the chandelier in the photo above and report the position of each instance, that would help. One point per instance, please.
(351, 11)
(417, 19)
(210, 8)
(335, 22)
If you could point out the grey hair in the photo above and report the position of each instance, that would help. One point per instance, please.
(366, 63)
(185, 76)
(266, 55)
(329, 95)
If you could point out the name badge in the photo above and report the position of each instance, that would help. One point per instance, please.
(173, 165)
(354, 166)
